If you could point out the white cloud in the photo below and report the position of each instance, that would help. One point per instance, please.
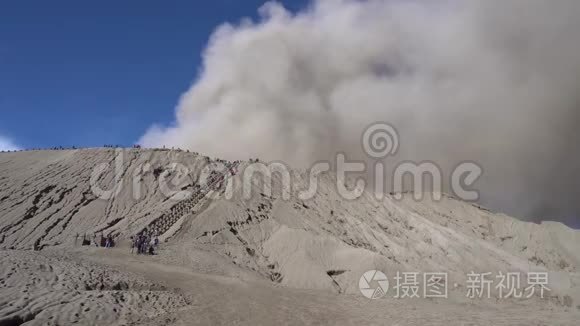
(7, 144)
(460, 80)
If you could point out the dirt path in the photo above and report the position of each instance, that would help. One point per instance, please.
(219, 300)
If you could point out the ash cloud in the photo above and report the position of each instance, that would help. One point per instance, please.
(492, 82)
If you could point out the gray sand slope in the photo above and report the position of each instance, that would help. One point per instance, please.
(260, 260)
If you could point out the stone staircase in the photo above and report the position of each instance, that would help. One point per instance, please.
(215, 182)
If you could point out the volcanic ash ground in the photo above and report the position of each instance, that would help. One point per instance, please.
(259, 260)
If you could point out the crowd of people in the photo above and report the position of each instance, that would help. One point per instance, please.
(144, 244)
(102, 241)
(62, 148)
(56, 148)
(136, 146)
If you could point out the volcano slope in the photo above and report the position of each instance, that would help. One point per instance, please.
(254, 251)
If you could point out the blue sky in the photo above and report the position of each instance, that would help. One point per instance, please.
(87, 73)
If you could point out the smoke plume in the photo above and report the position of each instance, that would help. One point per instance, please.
(492, 82)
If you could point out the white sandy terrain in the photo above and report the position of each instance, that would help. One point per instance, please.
(55, 290)
(264, 260)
